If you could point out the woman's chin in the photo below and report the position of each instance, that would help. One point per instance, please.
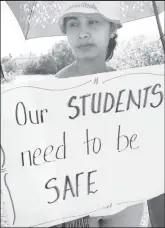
(88, 56)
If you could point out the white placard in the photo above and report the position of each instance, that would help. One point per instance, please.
(72, 146)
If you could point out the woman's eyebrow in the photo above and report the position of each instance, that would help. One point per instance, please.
(71, 18)
(94, 18)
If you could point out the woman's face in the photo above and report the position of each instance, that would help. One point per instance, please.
(88, 35)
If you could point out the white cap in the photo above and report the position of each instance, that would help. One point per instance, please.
(109, 10)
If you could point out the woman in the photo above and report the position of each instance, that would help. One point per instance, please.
(91, 31)
(92, 38)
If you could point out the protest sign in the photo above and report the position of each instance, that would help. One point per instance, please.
(70, 147)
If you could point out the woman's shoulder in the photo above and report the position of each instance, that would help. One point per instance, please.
(70, 71)
(110, 68)
(66, 72)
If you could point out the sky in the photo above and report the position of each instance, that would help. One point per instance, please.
(12, 39)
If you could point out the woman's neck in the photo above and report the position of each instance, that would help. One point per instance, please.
(89, 66)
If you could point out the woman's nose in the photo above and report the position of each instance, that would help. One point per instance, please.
(83, 35)
(84, 32)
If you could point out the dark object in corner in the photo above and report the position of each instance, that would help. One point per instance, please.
(156, 211)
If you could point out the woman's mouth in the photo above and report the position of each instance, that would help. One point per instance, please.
(85, 46)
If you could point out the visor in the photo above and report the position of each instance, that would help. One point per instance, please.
(109, 10)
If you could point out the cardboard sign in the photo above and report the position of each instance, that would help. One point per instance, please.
(70, 147)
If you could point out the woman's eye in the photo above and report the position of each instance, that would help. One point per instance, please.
(73, 24)
(93, 22)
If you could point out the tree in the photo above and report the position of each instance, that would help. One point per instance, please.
(46, 65)
(63, 54)
(10, 66)
(30, 66)
(57, 58)
(138, 53)
(6, 58)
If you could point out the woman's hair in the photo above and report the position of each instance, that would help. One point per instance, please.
(111, 47)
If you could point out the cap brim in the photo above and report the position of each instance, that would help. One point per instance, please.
(77, 12)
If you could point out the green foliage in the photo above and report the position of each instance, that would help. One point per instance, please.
(46, 65)
(57, 58)
(6, 58)
(9, 66)
(138, 53)
(63, 54)
(30, 67)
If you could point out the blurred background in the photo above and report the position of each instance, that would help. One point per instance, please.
(139, 45)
